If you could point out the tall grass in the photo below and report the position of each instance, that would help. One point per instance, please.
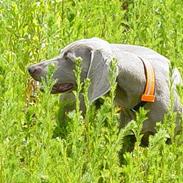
(33, 147)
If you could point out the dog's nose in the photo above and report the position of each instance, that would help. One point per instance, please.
(30, 70)
(34, 70)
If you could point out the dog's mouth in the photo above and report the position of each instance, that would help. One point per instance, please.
(61, 87)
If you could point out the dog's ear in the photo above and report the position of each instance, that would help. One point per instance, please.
(98, 73)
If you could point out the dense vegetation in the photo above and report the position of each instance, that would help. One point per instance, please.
(34, 145)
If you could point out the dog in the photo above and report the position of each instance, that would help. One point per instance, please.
(132, 75)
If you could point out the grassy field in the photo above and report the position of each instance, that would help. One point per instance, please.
(35, 146)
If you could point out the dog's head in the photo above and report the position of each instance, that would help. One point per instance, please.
(95, 55)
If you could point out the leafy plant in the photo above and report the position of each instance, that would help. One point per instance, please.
(36, 145)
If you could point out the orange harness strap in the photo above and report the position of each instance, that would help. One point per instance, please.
(148, 95)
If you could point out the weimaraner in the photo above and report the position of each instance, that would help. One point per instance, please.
(96, 55)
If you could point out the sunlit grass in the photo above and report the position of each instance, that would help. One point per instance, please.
(35, 144)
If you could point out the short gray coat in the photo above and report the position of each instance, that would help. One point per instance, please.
(96, 55)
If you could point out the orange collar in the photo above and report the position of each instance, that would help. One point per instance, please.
(149, 93)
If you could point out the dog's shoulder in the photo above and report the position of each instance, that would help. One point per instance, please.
(159, 62)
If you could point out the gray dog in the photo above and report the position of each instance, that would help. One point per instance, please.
(96, 55)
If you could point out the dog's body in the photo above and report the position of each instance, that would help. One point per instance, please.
(96, 56)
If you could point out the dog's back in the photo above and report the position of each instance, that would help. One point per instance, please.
(140, 51)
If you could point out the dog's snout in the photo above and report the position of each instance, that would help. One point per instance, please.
(34, 70)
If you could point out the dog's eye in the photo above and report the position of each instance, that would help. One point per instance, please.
(69, 57)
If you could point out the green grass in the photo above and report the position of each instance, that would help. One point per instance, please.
(35, 146)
